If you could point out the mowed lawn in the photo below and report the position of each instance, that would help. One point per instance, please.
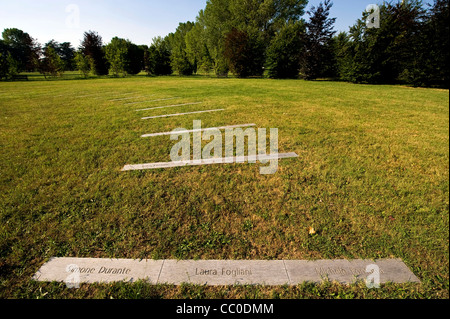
(371, 179)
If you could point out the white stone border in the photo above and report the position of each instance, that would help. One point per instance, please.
(181, 114)
(171, 98)
(198, 130)
(220, 160)
(221, 272)
(167, 106)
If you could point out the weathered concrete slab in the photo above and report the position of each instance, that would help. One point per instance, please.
(96, 270)
(166, 99)
(346, 271)
(168, 106)
(126, 98)
(212, 161)
(222, 272)
(181, 114)
(198, 130)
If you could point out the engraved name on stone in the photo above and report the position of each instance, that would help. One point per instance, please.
(223, 272)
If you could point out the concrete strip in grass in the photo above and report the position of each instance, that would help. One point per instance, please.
(181, 114)
(198, 130)
(212, 161)
(221, 272)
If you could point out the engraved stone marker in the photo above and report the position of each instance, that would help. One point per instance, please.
(346, 271)
(211, 161)
(92, 270)
(223, 272)
(198, 130)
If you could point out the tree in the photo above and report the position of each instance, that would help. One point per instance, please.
(9, 67)
(116, 53)
(343, 55)
(135, 58)
(3, 60)
(158, 57)
(319, 32)
(23, 48)
(51, 63)
(197, 49)
(84, 64)
(260, 19)
(65, 51)
(13, 66)
(244, 54)
(67, 54)
(437, 45)
(179, 56)
(147, 62)
(285, 51)
(394, 52)
(92, 46)
(3, 66)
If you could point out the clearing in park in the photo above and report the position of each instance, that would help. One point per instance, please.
(369, 181)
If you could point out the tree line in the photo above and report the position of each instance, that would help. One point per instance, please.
(254, 38)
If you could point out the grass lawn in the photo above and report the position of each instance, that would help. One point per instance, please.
(371, 179)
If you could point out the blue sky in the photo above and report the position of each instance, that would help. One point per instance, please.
(137, 20)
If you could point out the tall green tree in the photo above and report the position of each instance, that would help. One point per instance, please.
(92, 45)
(23, 48)
(84, 63)
(389, 54)
(158, 57)
(117, 54)
(318, 41)
(285, 51)
(259, 19)
(343, 49)
(135, 58)
(181, 62)
(13, 66)
(65, 51)
(437, 29)
(197, 49)
(244, 54)
(51, 63)
(3, 60)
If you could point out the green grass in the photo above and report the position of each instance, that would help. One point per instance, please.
(371, 178)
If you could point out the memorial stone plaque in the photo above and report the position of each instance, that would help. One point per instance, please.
(97, 270)
(223, 272)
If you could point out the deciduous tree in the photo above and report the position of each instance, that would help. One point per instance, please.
(92, 46)
(285, 51)
(117, 54)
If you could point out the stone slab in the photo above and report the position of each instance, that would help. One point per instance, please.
(212, 161)
(126, 98)
(222, 272)
(168, 106)
(166, 99)
(346, 271)
(97, 270)
(181, 114)
(198, 130)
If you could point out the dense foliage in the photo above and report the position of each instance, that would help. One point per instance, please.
(262, 37)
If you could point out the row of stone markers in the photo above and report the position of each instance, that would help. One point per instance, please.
(219, 160)
(74, 271)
